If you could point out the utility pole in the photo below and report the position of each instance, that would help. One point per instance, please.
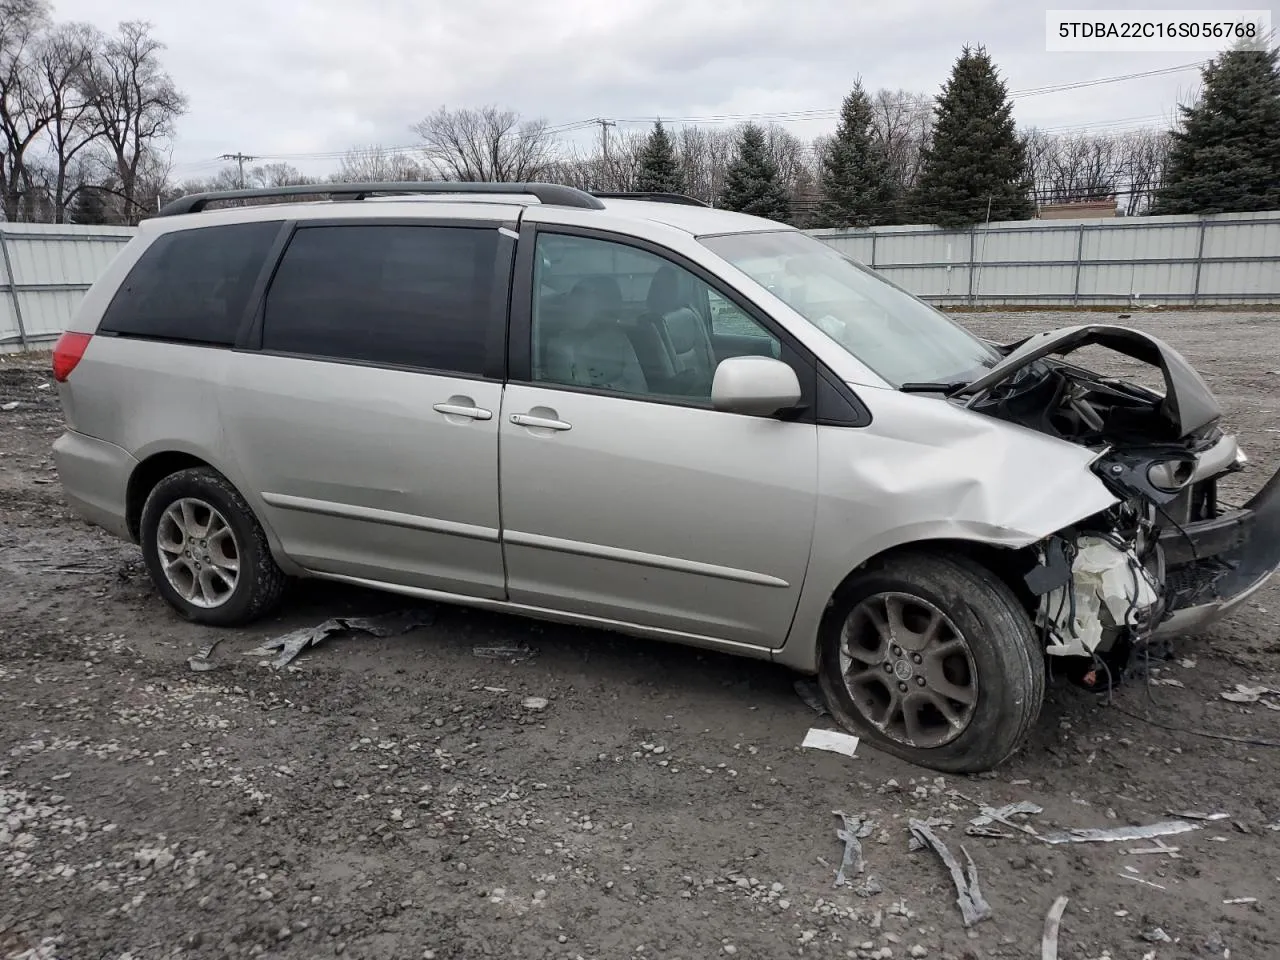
(239, 158)
(604, 134)
(604, 137)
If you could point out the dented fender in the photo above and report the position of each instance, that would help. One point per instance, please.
(928, 470)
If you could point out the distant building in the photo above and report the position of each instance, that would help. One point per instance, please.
(1080, 210)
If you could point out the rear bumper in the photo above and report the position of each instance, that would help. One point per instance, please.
(1215, 565)
(95, 480)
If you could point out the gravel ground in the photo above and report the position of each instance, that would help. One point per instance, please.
(401, 798)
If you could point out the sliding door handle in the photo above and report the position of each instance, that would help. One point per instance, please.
(539, 423)
(461, 410)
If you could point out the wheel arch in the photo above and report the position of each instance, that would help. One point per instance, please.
(165, 460)
(1009, 564)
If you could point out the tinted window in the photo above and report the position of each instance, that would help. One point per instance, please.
(192, 285)
(409, 296)
(614, 317)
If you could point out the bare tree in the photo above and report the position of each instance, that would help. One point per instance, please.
(1143, 157)
(486, 144)
(616, 172)
(903, 121)
(24, 104)
(378, 164)
(137, 103)
(705, 155)
(788, 151)
(65, 60)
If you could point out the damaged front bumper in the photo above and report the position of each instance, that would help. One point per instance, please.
(1098, 589)
(1212, 566)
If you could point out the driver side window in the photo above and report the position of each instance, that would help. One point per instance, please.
(609, 316)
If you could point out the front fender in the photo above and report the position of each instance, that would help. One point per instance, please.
(928, 470)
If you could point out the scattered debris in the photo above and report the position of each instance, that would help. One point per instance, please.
(9, 406)
(854, 830)
(1192, 815)
(1247, 694)
(201, 662)
(831, 740)
(1165, 682)
(513, 652)
(1145, 883)
(1240, 900)
(1156, 935)
(1090, 835)
(1052, 922)
(495, 689)
(1159, 847)
(811, 694)
(289, 645)
(973, 909)
(1003, 814)
(535, 703)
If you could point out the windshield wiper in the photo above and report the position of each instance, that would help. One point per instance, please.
(948, 389)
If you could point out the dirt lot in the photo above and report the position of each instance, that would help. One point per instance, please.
(394, 798)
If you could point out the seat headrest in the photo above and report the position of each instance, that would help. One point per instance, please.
(664, 291)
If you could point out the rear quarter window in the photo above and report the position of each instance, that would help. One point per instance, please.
(192, 285)
(407, 296)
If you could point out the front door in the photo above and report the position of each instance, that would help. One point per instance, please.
(366, 424)
(624, 495)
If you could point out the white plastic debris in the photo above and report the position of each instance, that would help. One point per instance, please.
(1193, 815)
(1052, 923)
(1246, 694)
(831, 740)
(535, 703)
(9, 406)
(1090, 835)
(1109, 588)
(1240, 900)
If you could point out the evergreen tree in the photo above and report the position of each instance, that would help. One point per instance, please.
(752, 184)
(1226, 157)
(976, 162)
(857, 190)
(660, 170)
(90, 207)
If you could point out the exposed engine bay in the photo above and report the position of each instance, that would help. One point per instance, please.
(1107, 586)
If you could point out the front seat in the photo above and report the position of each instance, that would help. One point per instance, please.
(683, 332)
(591, 349)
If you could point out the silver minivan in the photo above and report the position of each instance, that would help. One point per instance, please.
(645, 415)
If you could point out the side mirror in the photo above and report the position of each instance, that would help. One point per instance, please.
(754, 386)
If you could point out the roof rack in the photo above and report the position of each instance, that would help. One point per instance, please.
(655, 196)
(549, 193)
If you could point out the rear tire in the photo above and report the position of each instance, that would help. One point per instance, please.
(931, 657)
(206, 552)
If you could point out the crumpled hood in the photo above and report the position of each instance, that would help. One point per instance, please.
(1188, 404)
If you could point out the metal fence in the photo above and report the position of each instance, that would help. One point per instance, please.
(44, 271)
(1183, 260)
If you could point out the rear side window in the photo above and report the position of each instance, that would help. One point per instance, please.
(192, 285)
(414, 296)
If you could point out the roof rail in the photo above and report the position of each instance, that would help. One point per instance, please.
(549, 193)
(655, 196)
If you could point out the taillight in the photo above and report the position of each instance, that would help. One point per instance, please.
(67, 353)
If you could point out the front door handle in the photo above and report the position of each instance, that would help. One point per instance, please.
(539, 423)
(462, 410)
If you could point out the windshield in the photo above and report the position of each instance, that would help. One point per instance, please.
(901, 338)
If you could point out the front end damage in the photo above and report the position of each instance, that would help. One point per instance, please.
(1168, 558)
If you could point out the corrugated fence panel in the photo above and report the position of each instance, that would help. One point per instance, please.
(1228, 258)
(53, 264)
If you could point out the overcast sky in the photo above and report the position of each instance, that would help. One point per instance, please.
(284, 79)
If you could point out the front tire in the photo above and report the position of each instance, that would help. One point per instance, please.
(206, 552)
(930, 657)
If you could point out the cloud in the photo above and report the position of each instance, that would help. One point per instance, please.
(289, 78)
